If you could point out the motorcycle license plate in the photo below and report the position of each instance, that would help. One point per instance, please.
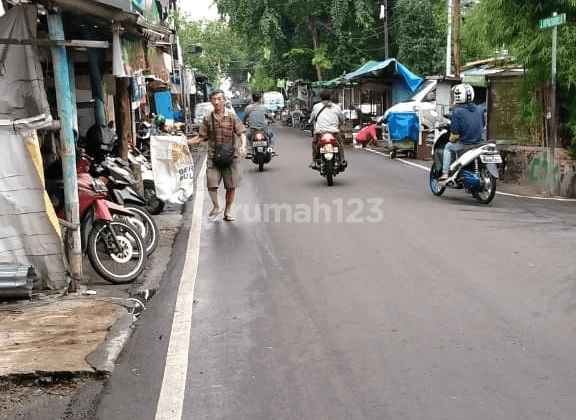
(334, 150)
(259, 144)
(260, 149)
(490, 158)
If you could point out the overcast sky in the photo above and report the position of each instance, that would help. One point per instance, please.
(199, 9)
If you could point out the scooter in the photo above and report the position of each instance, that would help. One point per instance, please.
(114, 247)
(475, 170)
(261, 151)
(120, 182)
(143, 132)
(153, 204)
(330, 162)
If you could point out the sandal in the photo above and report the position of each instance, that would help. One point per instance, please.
(228, 218)
(215, 212)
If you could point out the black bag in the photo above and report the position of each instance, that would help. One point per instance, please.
(223, 155)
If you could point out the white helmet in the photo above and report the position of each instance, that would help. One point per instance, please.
(463, 94)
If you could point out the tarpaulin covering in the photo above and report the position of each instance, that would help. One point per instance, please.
(29, 232)
(29, 229)
(22, 93)
(392, 66)
(402, 125)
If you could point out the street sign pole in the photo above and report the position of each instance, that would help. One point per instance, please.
(552, 145)
(552, 22)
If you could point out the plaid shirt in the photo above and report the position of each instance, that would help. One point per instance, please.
(224, 130)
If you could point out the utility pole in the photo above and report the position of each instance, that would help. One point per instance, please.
(384, 17)
(457, 38)
(66, 114)
(449, 41)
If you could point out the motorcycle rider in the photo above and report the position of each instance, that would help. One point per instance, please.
(326, 117)
(257, 117)
(466, 127)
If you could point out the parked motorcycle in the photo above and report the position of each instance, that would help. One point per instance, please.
(330, 162)
(152, 203)
(261, 152)
(143, 132)
(102, 142)
(475, 169)
(120, 182)
(114, 247)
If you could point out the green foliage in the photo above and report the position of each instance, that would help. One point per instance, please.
(349, 29)
(513, 26)
(261, 82)
(223, 52)
(321, 58)
(419, 40)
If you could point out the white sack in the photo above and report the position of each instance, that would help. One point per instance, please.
(173, 168)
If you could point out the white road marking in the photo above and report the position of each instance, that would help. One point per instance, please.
(174, 382)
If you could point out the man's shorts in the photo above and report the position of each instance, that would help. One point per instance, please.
(231, 175)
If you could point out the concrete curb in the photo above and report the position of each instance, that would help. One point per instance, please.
(103, 359)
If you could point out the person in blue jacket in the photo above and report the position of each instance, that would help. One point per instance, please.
(466, 127)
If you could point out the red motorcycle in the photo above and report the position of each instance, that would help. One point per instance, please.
(261, 151)
(330, 161)
(115, 249)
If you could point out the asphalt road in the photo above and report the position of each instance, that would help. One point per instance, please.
(370, 299)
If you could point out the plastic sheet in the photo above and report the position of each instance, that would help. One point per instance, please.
(402, 125)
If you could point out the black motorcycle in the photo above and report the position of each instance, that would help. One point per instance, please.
(261, 152)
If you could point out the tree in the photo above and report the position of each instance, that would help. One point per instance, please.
(418, 37)
(513, 26)
(308, 32)
(222, 51)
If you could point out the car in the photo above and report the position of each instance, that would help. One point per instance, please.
(204, 108)
(274, 101)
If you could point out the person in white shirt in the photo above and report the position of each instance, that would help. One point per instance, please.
(326, 117)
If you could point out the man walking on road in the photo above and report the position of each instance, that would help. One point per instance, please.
(222, 127)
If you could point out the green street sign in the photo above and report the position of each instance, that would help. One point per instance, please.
(553, 21)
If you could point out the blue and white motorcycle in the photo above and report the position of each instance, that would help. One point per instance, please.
(475, 169)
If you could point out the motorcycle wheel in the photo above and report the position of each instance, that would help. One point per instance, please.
(153, 204)
(329, 172)
(434, 186)
(487, 189)
(260, 167)
(145, 225)
(116, 251)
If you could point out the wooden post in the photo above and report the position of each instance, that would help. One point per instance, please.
(457, 58)
(449, 41)
(124, 116)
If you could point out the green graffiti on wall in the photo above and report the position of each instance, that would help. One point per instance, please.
(539, 169)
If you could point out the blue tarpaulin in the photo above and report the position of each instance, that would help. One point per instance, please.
(391, 65)
(402, 125)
